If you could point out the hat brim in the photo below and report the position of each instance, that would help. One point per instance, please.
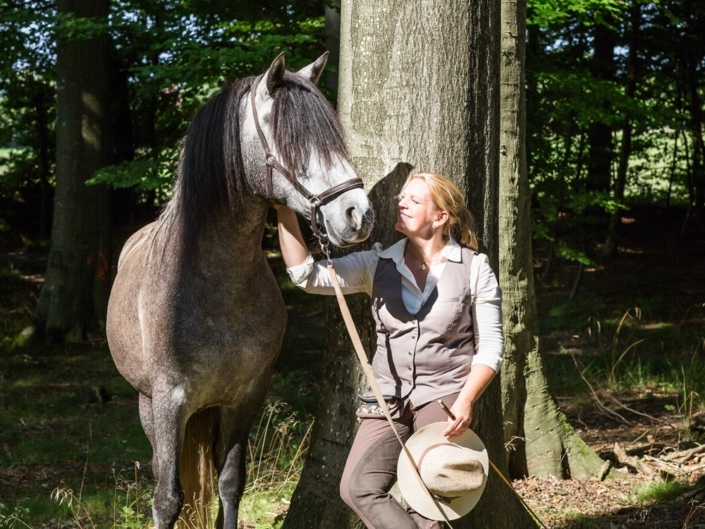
(413, 491)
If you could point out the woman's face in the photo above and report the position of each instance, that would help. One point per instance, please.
(417, 214)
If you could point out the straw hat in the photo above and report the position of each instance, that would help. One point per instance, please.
(454, 472)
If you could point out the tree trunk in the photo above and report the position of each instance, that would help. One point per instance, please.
(332, 16)
(416, 96)
(543, 442)
(77, 261)
(600, 134)
(610, 247)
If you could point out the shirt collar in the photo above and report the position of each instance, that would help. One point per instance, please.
(451, 251)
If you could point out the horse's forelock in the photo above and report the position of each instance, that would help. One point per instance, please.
(304, 122)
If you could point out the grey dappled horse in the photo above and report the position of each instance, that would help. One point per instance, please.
(195, 318)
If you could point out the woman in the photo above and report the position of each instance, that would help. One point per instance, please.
(437, 309)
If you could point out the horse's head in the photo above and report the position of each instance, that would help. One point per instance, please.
(294, 153)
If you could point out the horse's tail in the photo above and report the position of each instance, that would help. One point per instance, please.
(197, 468)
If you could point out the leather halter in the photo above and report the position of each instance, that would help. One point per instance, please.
(272, 163)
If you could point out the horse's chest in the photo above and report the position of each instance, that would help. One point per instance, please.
(232, 328)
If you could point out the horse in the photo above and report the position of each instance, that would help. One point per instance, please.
(195, 316)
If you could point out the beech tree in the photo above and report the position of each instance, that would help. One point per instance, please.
(80, 228)
(412, 96)
(541, 440)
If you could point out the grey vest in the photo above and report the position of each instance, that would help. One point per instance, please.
(426, 355)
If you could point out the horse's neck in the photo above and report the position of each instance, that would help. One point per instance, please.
(234, 241)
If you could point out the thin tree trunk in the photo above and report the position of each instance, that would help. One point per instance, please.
(600, 134)
(40, 105)
(672, 172)
(516, 274)
(610, 247)
(698, 150)
(412, 96)
(66, 307)
(332, 16)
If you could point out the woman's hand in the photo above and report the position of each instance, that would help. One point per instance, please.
(462, 411)
(478, 380)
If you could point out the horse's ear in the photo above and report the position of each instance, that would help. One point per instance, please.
(313, 71)
(274, 74)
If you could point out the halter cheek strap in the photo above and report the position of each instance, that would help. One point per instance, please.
(272, 163)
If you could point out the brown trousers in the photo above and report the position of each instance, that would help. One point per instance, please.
(371, 468)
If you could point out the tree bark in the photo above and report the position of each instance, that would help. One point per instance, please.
(543, 443)
(415, 96)
(77, 262)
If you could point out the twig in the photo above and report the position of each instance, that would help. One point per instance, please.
(664, 466)
(632, 461)
(684, 455)
(597, 400)
(693, 468)
(646, 415)
(578, 277)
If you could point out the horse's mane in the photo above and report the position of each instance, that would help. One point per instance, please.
(210, 176)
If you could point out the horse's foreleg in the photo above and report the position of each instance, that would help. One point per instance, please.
(170, 417)
(147, 420)
(231, 449)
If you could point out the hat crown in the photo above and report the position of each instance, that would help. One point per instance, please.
(454, 473)
(450, 470)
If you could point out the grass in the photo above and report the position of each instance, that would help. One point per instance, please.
(631, 351)
(660, 491)
(89, 463)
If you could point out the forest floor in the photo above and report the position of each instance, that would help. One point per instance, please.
(635, 324)
(621, 380)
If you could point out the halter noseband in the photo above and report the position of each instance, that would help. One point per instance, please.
(315, 200)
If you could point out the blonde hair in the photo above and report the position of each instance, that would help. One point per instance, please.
(447, 197)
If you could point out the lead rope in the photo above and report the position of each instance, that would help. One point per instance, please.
(359, 349)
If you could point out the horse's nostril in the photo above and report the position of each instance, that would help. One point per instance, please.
(354, 216)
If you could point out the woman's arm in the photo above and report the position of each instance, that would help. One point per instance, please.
(489, 344)
(354, 271)
(291, 242)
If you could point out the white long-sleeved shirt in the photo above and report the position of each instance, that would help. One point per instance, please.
(356, 272)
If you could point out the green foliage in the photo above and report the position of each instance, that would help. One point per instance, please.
(571, 91)
(145, 173)
(545, 13)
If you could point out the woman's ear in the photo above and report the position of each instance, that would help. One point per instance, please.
(441, 218)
